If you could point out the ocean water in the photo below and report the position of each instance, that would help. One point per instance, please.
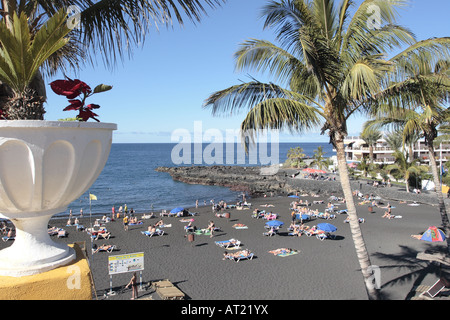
(129, 176)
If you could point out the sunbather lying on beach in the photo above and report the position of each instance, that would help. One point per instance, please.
(297, 231)
(281, 251)
(238, 254)
(104, 247)
(105, 235)
(52, 231)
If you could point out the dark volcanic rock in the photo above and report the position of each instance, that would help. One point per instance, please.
(279, 182)
(237, 178)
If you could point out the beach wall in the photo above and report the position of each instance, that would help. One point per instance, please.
(70, 282)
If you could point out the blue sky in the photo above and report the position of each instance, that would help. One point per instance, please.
(162, 87)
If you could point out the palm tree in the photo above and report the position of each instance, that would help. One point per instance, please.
(371, 137)
(295, 156)
(405, 167)
(106, 28)
(330, 63)
(421, 92)
(319, 160)
(394, 139)
(366, 168)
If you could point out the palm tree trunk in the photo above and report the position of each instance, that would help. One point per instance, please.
(438, 187)
(358, 240)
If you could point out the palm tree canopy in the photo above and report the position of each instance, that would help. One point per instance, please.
(326, 64)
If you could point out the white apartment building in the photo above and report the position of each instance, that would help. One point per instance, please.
(356, 149)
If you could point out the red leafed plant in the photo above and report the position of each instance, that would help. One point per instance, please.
(72, 90)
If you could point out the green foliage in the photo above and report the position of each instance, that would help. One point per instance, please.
(295, 157)
(23, 53)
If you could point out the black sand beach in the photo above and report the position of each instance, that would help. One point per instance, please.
(321, 270)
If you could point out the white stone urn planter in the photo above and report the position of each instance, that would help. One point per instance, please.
(44, 166)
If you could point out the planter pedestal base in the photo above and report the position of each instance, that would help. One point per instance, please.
(70, 282)
(33, 251)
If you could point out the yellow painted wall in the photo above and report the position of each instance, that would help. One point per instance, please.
(71, 282)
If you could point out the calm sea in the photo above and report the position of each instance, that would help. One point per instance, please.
(129, 176)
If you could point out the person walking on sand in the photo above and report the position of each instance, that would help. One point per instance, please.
(125, 223)
(133, 284)
(81, 213)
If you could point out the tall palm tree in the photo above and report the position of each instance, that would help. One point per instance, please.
(371, 137)
(415, 103)
(394, 139)
(405, 167)
(318, 158)
(328, 63)
(104, 28)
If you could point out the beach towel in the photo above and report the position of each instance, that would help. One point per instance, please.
(200, 232)
(283, 253)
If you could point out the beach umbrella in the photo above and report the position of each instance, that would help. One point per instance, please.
(327, 227)
(352, 164)
(293, 196)
(177, 209)
(274, 223)
(433, 234)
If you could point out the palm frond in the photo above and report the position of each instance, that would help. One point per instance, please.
(247, 95)
(364, 76)
(21, 56)
(422, 57)
(264, 56)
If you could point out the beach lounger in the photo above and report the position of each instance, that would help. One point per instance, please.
(151, 234)
(326, 235)
(232, 243)
(109, 249)
(80, 227)
(435, 289)
(105, 235)
(242, 257)
(270, 233)
(52, 231)
(5, 238)
(62, 233)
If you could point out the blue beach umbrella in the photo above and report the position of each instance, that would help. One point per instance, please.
(274, 223)
(327, 227)
(293, 196)
(177, 209)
